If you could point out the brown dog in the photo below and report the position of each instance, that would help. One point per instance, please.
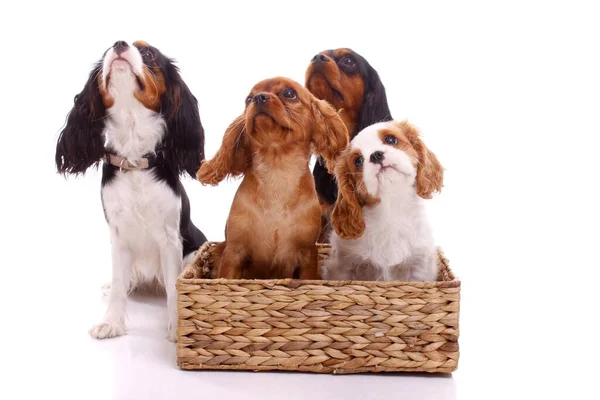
(274, 221)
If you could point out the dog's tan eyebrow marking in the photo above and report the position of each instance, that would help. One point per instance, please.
(341, 52)
(141, 43)
(382, 133)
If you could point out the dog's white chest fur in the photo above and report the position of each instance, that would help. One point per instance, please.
(390, 238)
(397, 244)
(132, 129)
(144, 214)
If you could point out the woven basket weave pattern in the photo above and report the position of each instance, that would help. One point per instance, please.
(317, 326)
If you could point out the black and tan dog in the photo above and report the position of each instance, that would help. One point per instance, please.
(347, 81)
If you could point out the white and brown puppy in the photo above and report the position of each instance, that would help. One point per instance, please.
(381, 231)
(137, 117)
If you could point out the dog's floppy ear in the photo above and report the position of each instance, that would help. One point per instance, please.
(430, 173)
(347, 216)
(231, 159)
(374, 107)
(183, 145)
(80, 144)
(330, 135)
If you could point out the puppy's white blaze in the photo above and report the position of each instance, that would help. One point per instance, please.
(133, 64)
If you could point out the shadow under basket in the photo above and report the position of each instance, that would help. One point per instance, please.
(335, 327)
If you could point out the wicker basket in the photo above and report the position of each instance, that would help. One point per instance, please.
(335, 327)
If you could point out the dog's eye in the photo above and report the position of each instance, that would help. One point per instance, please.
(348, 61)
(389, 139)
(147, 54)
(358, 161)
(249, 99)
(289, 93)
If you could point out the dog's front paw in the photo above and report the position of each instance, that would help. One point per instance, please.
(191, 271)
(107, 329)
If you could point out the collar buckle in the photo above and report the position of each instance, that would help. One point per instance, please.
(124, 164)
(129, 165)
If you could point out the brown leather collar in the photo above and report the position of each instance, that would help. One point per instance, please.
(124, 164)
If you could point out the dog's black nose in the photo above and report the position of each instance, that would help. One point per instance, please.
(319, 58)
(260, 98)
(120, 47)
(377, 157)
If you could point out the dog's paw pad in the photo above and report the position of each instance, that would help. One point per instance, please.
(107, 329)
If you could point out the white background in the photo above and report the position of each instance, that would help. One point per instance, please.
(506, 94)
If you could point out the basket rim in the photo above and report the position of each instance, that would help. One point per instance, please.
(290, 282)
(300, 282)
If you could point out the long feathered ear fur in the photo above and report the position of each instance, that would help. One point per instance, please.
(374, 107)
(330, 135)
(231, 159)
(183, 146)
(81, 142)
(347, 216)
(430, 173)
